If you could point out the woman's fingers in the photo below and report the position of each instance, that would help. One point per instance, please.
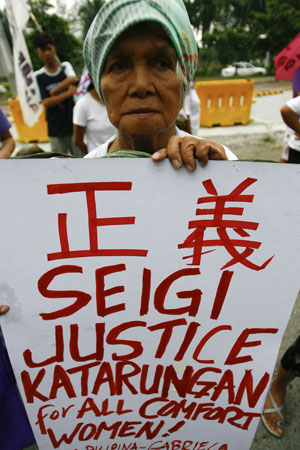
(159, 155)
(186, 150)
(173, 152)
(216, 151)
(206, 150)
(4, 309)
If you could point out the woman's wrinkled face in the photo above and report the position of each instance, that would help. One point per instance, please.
(141, 89)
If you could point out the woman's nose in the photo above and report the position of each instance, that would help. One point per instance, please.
(141, 79)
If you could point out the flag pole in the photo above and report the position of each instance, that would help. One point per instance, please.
(33, 18)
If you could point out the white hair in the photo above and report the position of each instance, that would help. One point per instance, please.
(179, 72)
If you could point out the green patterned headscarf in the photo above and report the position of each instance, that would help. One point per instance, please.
(116, 16)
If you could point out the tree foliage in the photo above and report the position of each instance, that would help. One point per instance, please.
(203, 13)
(226, 43)
(280, 23)
(69, 48)
(243, 29)
(231, 30)
(87, 12)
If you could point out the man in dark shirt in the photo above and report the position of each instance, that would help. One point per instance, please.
(55, 83)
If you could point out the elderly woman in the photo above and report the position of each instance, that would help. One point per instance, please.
(142, 56)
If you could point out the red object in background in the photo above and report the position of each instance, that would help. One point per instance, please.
(288, 60)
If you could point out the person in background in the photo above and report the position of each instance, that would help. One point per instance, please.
(290, 113)
(7, 143)
(296, 92)
(289, 368)
(296, 83)
(191, 106)
(56, 85)
(272, 416)
(83, 84)
(90, 119)
(188, 118)
(15, 430)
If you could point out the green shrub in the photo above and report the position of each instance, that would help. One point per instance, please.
(8, 92)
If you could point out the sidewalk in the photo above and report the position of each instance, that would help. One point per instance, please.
(291, 439)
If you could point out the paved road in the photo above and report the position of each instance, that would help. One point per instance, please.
(291, 439)
(269, 83)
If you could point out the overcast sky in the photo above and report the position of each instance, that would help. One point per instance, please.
(69, 3)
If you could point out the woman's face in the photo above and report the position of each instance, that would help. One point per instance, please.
(142, 92)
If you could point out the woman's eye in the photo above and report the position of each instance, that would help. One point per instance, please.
(163, 64)
(119, 66)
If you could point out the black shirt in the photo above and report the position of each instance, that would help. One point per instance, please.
(59, 117)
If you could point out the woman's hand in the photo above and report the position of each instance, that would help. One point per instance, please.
(4, 309)
(186, 150)
(8, 144)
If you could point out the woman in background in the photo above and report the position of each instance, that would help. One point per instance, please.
(90, 120)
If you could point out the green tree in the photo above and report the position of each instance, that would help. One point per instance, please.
(87, 11)
(202, 13)
(240, 12)
(233, 29)
(280, 23)
(232, 44)
(223, 23)
(69, 48)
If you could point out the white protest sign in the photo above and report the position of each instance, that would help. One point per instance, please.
(147, 304)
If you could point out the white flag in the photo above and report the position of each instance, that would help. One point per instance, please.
(18, 14)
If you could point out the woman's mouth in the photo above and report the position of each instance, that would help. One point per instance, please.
(142, 111)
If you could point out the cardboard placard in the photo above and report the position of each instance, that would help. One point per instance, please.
(147, 304)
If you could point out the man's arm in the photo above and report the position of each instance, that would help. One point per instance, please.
(291, 119)
(8, 145)
(48, 102)
(70, 79)
(63, 85)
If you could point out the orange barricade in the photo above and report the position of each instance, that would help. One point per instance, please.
(225, 102)
(37, 133)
